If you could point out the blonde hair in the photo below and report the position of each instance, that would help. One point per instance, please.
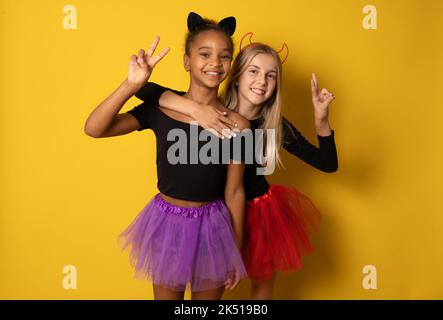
(270, 110)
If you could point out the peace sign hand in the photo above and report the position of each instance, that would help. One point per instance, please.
(320, 100)
(141, 66)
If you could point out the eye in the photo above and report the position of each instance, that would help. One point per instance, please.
(252, 71)
(204, 54)
(271, 76)
(226, 57)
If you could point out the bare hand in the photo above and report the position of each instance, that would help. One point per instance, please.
(209, 117)
(141, 66)
(233, 280)
(320, 100)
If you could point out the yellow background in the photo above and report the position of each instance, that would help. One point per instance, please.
(66, 196)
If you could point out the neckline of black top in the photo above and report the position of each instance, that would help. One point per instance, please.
(175, 120)
(256, 122)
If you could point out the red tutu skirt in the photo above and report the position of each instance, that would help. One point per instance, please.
(277, 229)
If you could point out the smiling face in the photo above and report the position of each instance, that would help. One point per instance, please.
(258, 81)
(209, 58)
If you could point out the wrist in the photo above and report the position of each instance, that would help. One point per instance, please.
(321, 122)
(131, 86)
(324, 130)
(238, 242)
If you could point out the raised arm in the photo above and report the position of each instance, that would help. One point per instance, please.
(323, 157)
(209, 117)
(105, 120)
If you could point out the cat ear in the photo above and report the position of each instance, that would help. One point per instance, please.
(228, 24)
(194, 20)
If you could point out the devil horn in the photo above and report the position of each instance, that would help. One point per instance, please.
(283, 52)
(249, 36)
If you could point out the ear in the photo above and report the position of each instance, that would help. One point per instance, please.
(186, 62)
(229, 24)
(194, 20)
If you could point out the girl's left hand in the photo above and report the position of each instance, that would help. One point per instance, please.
(320, 99)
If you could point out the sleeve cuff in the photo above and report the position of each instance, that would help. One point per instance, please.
(331, 136)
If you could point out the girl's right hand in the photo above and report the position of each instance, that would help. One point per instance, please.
(233, 280)
(141, 66)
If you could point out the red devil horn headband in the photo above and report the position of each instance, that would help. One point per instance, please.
(283, 52)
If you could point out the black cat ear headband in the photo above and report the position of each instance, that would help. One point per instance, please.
(229, 24)
(195, 21)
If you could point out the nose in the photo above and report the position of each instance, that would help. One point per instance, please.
(262, 79)
(216, 62)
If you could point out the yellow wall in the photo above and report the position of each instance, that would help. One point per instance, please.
(66, 196)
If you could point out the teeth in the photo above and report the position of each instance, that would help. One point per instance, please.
(258, 91)
(212, 73)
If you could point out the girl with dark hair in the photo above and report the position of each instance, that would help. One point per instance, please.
(191, 231)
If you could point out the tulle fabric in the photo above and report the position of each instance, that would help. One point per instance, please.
(278, 226)
(175, 246)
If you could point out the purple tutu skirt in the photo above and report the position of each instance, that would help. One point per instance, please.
(174, 246)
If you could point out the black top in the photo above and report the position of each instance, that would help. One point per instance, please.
(323, 157)
(188, 178)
